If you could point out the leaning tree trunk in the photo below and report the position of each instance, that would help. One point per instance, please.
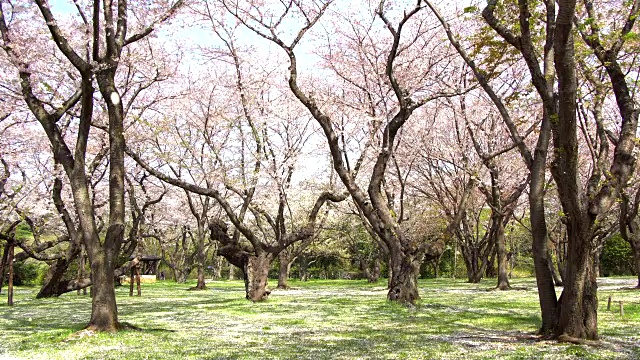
(283, 270)
(256, 274)
(52, 283)
(557, 279)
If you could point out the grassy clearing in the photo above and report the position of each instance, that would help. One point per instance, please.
(315, 320)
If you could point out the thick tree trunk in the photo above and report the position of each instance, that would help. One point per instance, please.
(404, 277)
(283, 270)
(256, 273)
(104, 312)
(578, 303)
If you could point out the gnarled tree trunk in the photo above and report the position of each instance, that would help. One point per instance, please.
(405, 268)
(256, 275)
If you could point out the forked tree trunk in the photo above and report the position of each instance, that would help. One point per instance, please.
(283, 270)
(104, 312)
(404, 279)
(256, 274)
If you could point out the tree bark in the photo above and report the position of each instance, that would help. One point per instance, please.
(256, 273)
(201, 284)
(403, 286)
(503, 264)
(104, 312)
(283, 270)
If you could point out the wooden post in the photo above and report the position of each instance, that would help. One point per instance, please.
(10, 288)
(609, 304)
(138, 280)
(621, 309)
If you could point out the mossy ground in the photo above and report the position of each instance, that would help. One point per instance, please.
(314, 320)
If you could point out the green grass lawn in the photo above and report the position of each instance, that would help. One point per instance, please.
(315, 320)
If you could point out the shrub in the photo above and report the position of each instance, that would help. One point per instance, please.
(28, 273)
(616, 257)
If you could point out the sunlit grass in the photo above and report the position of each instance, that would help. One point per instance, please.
(315, 320)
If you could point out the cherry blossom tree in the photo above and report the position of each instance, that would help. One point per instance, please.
(574, 315)
(92, 57)
(408, 94)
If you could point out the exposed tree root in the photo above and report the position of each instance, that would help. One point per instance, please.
(573, 340)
